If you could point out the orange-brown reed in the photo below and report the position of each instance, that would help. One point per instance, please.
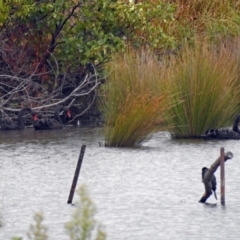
(132, 106)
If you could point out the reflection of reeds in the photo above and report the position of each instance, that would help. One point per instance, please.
(132, 107)
(202, 80)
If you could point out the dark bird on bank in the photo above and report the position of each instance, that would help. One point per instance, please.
(224, 133)
(9, 124)
(40, 123)
(213, 180)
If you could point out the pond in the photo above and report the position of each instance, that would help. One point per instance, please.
(143, 193)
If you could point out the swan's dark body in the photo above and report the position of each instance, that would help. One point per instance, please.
(48, 123)
(11, 125)
(222, 134)
(225, 133)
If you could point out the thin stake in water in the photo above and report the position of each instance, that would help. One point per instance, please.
(222, 176)
(77, 171)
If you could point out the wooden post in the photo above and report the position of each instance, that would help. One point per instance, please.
(75, 178)
(222, 176)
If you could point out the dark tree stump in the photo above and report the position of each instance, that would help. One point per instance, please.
(208, 176)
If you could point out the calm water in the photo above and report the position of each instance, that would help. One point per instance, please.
(147, 193)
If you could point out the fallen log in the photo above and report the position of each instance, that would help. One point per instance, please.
(207, 179)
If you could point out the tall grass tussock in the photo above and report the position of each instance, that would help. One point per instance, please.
(202, 80)
(232, 46)
(132, 107)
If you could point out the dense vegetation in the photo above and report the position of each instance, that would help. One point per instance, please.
(57, 52)
(53, 52)
(171, 65)
(198, 80)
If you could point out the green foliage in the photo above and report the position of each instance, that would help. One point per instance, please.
(38, 231)
(82, 226)
(202, 81)
(132, 107)
(20, 9)
(79, 32)
(147, 23)
(83, 223)
(104, 27)
(95, 34)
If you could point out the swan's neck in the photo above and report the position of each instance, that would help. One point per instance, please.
(235, 124)
(57, 114)
(20, 117)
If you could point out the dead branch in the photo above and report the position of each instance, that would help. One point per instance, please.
(19, 91)
(54, 36)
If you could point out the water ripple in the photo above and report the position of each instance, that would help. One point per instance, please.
(143, 193)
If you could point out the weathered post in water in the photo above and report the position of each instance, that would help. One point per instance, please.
(77, 171)
(222, 176)
(209, 174)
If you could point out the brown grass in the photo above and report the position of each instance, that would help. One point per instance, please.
(132, 106)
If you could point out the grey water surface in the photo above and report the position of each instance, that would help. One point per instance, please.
(146, 193)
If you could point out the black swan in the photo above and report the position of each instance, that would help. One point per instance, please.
(11, 125)
(225, 133)
(48, 123)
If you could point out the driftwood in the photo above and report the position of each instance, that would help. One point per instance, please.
(209, 174)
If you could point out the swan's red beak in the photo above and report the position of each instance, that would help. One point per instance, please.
(35, 117)
(68, 113)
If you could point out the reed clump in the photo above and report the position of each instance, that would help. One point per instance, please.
(132, 107)
(202, 81)
(232, 46)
